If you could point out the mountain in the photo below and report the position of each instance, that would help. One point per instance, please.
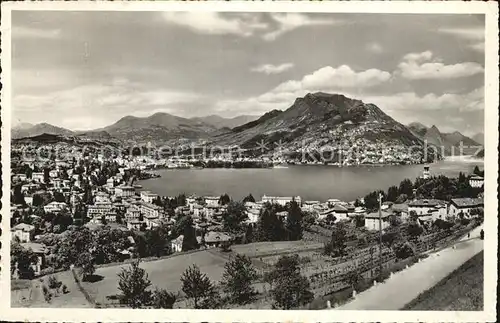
(220, 122)
(479, 138)
(318, 120)
(442, 139)
(159, 127)
(29, 130)
(417, 128)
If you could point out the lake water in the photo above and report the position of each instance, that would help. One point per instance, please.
(310, 182)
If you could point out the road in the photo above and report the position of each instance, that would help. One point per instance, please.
(404, 286)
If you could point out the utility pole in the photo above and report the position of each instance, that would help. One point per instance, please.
(380, 231)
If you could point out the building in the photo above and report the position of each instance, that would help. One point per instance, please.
(99, 209)
(37, 177)
(424, 206)
(211, 201)
(309, 205)
(340, 212)
(54, 173)
(426, 173)
(464, 206)
(214, 239)
(101, 197)
(148, 197)
(132, 214)
(151, 211)
(476, 181)
(110, 183)
(134, 225)
(177, 243)
(40, 250)
(372, 220)
(401, 210)
(24, 232)
(124, 191)
(281, 200)
(19, 177)
(253, 215)
(55, 207)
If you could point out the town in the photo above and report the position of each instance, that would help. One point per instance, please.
(85, 213)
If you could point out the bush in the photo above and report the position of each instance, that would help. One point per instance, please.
(47, 271)
(53, 282)
(65, 289)
(46, 294)
(403, 250)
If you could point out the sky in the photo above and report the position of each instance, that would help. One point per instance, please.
(85, 70)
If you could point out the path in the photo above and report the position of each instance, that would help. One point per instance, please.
(406, 285)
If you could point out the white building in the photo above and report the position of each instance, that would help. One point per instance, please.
(99, 209)
(151, 211)
(476, 181)
(132, 214)
(124, 191)
(424, 206)
(211, 200)
(148, 197)
(281, 200)
(464, 206)
(37, 177)
(54, 173)
(372, 220)
(55, 207)
(24, 232)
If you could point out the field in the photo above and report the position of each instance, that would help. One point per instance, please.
(163, 273)
(462, 290)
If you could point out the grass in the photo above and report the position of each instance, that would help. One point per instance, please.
(262, 249)
(462, 290)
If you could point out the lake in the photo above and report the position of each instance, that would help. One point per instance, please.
(310, 182)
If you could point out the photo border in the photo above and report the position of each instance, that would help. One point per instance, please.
(490, 9)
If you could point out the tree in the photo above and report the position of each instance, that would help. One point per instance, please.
(308, 220)
(198, 287)
(389, 238)
(403, 250)
(294, 222)
(269, 226)
(24, 258)
(358, 203)
(234, 217)
(224, 199)
(401, 198)
(237, 279)
(290, 288)
(371, 200)
(158, 242)
(46, 177)
(337, 244)
(414, 230)
(18, 197)
(406, 187)
(133, 285)
(248, 198)
(392, 194)
(86, 262)
(249, 236)
(163, 299)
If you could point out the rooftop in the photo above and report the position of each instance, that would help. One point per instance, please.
(426, 202)
(468, 202)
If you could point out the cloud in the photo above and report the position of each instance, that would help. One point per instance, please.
(117, 97)
(27, 32)
(289, 21)
(272, 69)
(415, 66)
(326, 79)
(475, 36)
(410, 101)
(374, 48)
(215, 23)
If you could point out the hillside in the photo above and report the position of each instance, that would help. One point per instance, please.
(73, 140)
(449, 141)
(479, 138)
(220, 122)
(159, 127)
(29, 130)
(321, 119)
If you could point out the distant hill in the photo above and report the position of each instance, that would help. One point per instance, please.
(320, 119)
(220, 122)
(442, 139)
(29, 130)
(159, 127)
